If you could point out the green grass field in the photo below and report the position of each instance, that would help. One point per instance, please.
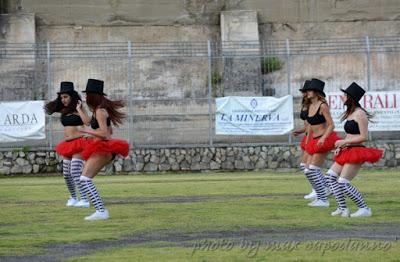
(247, 216)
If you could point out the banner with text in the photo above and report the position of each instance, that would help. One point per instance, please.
(254, 115)
(385, 106)
(20, 121)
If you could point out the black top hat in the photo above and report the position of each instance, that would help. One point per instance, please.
(355, 91)
(316, 85)
(66, 87)
(305, 86)
(95, 86)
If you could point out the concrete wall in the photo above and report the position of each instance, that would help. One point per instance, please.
(241, 76)
(172, 12)
(327, 30)
(144, 33)
(17, 28)
(17, 75)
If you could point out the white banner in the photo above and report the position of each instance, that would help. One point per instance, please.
(254, 115)
(385, 105)
(20, 121)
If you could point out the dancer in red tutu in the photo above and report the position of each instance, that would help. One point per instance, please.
(101, 148)
(303, 116)
(350, 154)
(320, 140)
(73, 143)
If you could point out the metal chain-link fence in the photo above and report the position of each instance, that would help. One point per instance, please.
(170, 88)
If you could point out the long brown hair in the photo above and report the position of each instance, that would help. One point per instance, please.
(56, 106)
(320, 97)
(95, 101)
(305, 103)
(351, 107)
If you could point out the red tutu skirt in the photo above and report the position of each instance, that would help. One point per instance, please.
(303, 143)
(313, 148)
(105, 147)
(70, 148)
(358, 155)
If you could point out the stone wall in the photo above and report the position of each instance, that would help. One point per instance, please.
(186, 159)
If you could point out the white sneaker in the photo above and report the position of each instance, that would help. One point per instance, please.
(312, 195)
(362, 212)
(71, 202)
(342, 212)
(98, 216)
(82, 203)
(319, 203)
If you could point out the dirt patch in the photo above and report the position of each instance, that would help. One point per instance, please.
(188, 199)
(59, 252)
(170, 199)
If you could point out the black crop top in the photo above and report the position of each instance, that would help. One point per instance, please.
(351, 127)
(316, 119)
(71, 120)
(303, 114)
(94, 124)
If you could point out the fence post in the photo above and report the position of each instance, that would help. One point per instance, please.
(210, 137)
(368, 73)
(288, 78)
(49, 95)
(130, 91)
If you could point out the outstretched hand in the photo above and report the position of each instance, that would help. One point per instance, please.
(297, 132)
(340, 143)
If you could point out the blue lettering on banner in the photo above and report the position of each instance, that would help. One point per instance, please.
(254, 115)
(250, 118)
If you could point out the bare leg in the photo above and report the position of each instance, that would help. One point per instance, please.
(94, 164)
(350, 171)
(317, 159)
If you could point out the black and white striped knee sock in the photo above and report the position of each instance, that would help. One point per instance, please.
(302, 166)
(337, 188)
(69, 181)
(326, 183)
(89, 188)
(309, 176)
(317, 179)
(353, 193)
(305, 173)
(76, 171)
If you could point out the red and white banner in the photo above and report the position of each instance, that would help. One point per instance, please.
(21, 121)
(385, 106)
